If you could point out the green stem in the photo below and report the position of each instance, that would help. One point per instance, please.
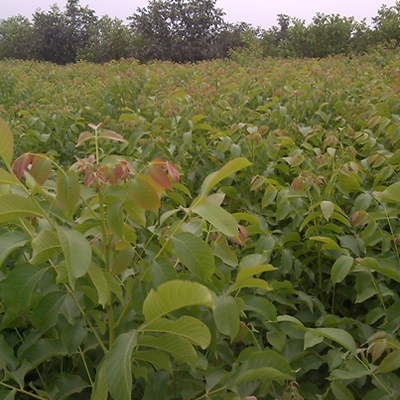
(85, 365)
(22, 391)
(111, 325)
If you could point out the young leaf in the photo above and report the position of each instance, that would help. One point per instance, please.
(194, 254)
(13, 206)
(218, 217)
(187, 327)
(173, 295)
(77, 253)
(6, 143)
(118, 366)
(228, 169)
(158, 174)
(111, 135)
(226, 315)
(45, 313)
(68, 192)
(177, 346)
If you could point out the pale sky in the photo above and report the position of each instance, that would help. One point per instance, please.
(261, 13)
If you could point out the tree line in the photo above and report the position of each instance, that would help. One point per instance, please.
(185, 31)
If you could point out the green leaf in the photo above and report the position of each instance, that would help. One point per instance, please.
(115, 218)
(6, 143)
(135, 212)
(173, 295)
(162, 270)
(187, 327)
(118, 366)
(228, 169)
(264, 365)
(68, 192)
(384, 267)
(77, 252)
(45, 313)
(68, 385)
(9, 242)
(218, 217)
(194, 254)
(73, 335)
(247, 272)
(22, 279)
(390, 195)
(251, 282)
(390, 363)
(160, 361)
(143, 193)
(341, 268)
(226, 316)
(122, 261)
(45, 246)
(7, 178)
(337, 335)
(224, 252)
(327, 208)
(264, 373)
(329, 243)
(8, 394)
(100, 391)
(100, 283)
(42, 350)
(13, 206)
(180, 348)
(340, 391)
(7, 357)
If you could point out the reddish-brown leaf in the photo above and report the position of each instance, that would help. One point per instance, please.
(158, 174)
(41, 169)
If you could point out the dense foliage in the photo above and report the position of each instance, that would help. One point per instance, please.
(186, 31)
(208, 231)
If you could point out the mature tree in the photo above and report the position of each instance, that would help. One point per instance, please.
(108, 40)
(59, 35)
(387, 24)
(178, 30)
(16, 35)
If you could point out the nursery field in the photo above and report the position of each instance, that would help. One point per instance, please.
(212, 231)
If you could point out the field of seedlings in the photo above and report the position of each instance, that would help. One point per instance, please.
(212, 231)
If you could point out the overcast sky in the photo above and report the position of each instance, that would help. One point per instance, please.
(256, 12)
